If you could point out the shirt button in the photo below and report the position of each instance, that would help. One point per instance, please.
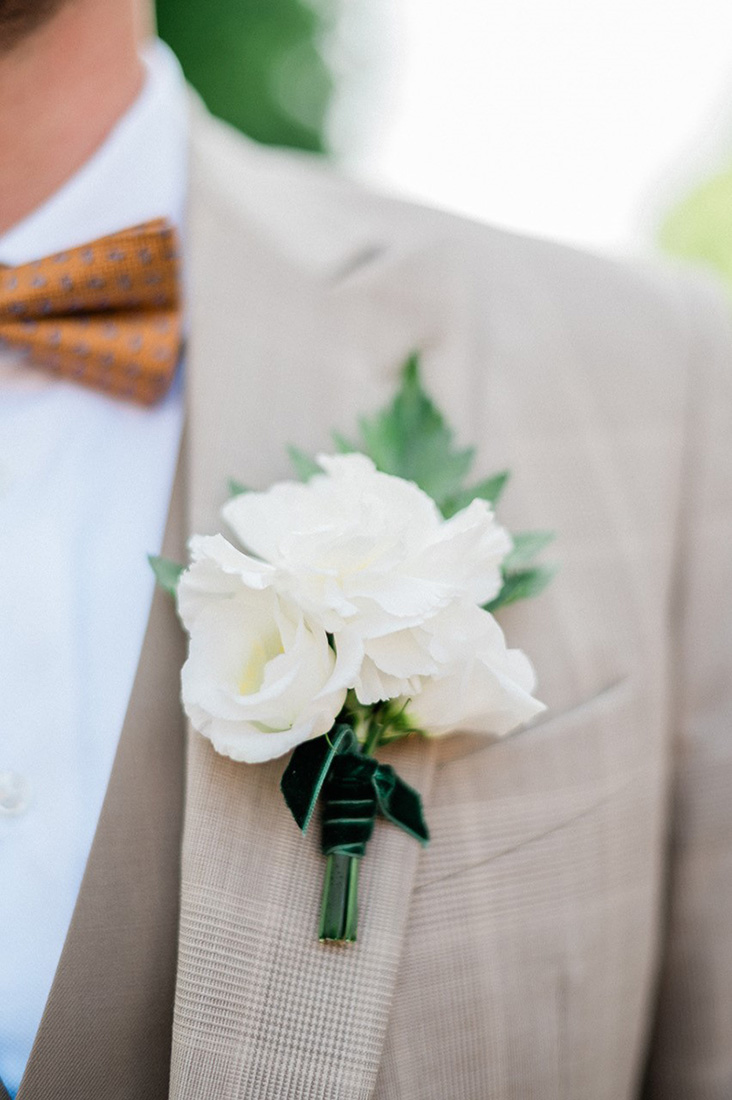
(14, 794)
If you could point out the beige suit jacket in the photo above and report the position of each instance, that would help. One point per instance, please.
(568, 933)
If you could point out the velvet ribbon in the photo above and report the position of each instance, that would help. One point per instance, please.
(355, 789)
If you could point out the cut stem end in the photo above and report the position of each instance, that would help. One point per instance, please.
(339, 909)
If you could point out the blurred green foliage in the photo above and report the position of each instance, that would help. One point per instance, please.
(256, 63)
(699, 228)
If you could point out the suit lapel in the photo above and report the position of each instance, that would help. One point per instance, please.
(105, 1031)
(262, 1009)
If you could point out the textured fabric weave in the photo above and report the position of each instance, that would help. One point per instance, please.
(106, 313)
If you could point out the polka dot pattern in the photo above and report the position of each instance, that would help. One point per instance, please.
(106, 314)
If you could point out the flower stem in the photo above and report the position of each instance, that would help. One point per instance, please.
(373, 737)
(350, 804)
(351, 927)
(339, 910)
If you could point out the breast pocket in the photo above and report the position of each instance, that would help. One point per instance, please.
(491, 798)
(533, 922)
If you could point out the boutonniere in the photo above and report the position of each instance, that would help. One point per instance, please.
(359, 610)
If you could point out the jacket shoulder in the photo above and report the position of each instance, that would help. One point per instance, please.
(319, 217)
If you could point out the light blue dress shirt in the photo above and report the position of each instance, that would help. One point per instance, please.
(84, 487)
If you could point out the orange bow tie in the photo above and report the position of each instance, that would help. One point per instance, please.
(106, 314)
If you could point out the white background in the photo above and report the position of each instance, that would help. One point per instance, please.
(576, 119)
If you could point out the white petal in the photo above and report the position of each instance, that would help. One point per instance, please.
(257, 680)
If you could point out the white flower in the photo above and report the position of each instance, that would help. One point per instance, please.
(479, 686)
(259, 675)
(367, 556)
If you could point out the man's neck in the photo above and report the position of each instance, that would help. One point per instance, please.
(61, 92)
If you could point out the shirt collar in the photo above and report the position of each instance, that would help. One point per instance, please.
(138, 173)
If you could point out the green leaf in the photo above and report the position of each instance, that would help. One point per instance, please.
(304, 466)
(343, 445)
(236, 489)
(308, 769)
(524, 584)
(167, 572)
(526, 545)
(490, 489)
(410, 439)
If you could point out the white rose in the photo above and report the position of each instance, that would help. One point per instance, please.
(259, 675)
(479, 686)
(368, 555)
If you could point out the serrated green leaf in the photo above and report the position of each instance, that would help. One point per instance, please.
(410, 439)
(167, 572)
(526, 545)
(524, 584)
(304, 466)
(490, 490)
(236, 489)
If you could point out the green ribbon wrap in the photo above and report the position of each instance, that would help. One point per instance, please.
(349, 805)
